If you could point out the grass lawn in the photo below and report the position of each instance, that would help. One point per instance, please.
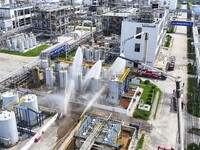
(148, 90)
(193, 104)
(69, 56)
(158, 102)
(30, 53)
(140, 143)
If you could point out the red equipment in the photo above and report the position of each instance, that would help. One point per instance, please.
(151, 74)
(38, 138)
(171, 63)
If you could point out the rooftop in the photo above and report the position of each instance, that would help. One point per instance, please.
(108, 134)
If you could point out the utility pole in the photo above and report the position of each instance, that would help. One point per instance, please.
(179, 113)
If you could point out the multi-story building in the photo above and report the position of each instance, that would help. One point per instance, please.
(148, 21)
(112, 22)
(17, 17)
(171, 4)
(54, 20)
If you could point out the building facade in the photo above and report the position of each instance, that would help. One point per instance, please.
(53, 20)
(15, 17)
(147, 21)
(171, 4)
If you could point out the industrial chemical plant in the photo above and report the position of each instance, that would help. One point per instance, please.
(79, 92)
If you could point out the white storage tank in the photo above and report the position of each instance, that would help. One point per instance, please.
(88, 54)
(49, 77)
(95, 85)
(85, 70)
(30, 42)
(26, 44)
(83, 50)
(62, 78)
(14, 44)
(8, 128)
(57, 66)
(97, 55)
(9, 98)
(30, 101)
(21, 46)
(34, 41)
(114, 91)
(44, 64)
(8, 44)
(104, 74)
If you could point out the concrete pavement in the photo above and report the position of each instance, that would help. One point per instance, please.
(165, 128)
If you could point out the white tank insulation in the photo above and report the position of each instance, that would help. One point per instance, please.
(8, 128)
(31, 101)
(44, 64)
(9, 98)
(62, 78)
(49, 77)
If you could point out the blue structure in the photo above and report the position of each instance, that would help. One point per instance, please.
(57, 50)
(109, 131)
(24, 123)
(181, 23)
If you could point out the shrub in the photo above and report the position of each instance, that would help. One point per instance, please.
(152, 90)
(149, 101)
(192, 146)
(153, 87)
(147, 82)
(150, 95)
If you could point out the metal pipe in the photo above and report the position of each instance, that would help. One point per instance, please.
(179, 114)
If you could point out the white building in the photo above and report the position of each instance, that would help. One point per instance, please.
(171, 4)
(15, 17)
(148, 21)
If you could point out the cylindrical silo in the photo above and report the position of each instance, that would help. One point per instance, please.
(34, 40)
(104, 74)
(114, 91)
(97, 55)
(49, 77)
(26, 44)
(8, 126)
(44, 64)
(8, 44)
(85, 70)
(21, 46)
(30, 42)
(95, 85)
(62, 78)
(57, 66)
(88, 55)
(31, 102)
(14, 44)
(9, 98)
(36, 76)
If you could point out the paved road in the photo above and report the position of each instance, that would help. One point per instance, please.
(165, 128)
(10, 63)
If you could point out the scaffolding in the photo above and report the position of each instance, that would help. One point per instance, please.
(53, 22)
(24, 123)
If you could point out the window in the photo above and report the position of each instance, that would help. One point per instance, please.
(135, 65)
(164, 3)
(137, 47)
(138, 30)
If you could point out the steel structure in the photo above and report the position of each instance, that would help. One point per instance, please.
(25, 123)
